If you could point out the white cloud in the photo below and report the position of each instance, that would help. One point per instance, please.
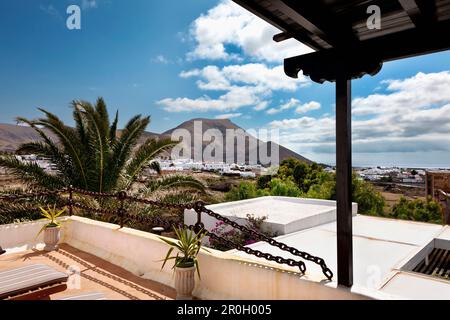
(235, 98)
(294, 103)
(257, 74)
(229, 116)
(160, 59)
(288, 105)
(230, 24)
(239, 85)
(272, 111)
(89, 4)
(310, 106)
(418, 92)
(261, 106)
(414, 118)
(243, 86)
(51, 11)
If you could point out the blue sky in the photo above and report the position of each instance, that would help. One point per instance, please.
(176, 60)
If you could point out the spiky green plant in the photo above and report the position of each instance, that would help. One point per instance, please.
(188, 246)
(51, 214)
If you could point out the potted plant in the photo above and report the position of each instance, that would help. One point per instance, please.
(188, 246)
(52, 230)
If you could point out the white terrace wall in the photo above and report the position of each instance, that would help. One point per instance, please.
(22, 236)
(223, 276)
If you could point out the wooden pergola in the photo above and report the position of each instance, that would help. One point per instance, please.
(345, 48)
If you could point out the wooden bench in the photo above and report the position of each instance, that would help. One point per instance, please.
(31, 282)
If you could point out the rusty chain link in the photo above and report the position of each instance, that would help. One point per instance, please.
(319, 261)
(259, 254)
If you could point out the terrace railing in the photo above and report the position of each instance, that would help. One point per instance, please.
(69, 197)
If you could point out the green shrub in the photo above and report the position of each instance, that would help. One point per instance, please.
(263, 181)
(418, 210)
(245, 190)
(369, 200)
(284, 188)
(304, 175)
(296, 178)
(325, 191)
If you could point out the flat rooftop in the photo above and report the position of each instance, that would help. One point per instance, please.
(96, 275)
(381, 247)
(284, 215)
(277, 209)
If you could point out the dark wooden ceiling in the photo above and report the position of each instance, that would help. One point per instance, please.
(337, 29)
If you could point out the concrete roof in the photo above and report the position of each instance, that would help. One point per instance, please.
(284, 215)
(283, 210)
(380, 248)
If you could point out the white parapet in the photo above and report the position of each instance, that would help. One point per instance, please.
(22, 236)
(284, 215)
(223, 275)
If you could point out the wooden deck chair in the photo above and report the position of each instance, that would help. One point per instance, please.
(32, 282)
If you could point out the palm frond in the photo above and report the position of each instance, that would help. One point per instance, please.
(31, 173)
(122, 150)
(113, 129)
(69, 139)
(145, 154)
(175, 181)
(80, 124)
(51, 153)
(98, 125)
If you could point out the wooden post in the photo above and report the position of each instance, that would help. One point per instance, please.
(199, 226)
(344, 181)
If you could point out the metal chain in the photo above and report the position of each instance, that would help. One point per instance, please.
(90, 193)
(259, 254)
(319, 261)
(166, 205)
(14, 197)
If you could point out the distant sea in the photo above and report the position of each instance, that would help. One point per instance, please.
(400, 166)
(356, 165)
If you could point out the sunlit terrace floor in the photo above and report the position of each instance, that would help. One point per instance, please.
(96, 275)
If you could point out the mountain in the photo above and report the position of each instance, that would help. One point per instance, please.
(11, 136)
(250, 142)
(221, 125)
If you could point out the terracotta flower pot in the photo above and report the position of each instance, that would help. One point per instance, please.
(184, 282)
(51, 238)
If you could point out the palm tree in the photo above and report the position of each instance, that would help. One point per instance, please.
(93, 155)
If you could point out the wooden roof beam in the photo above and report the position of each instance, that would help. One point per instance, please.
(279, 37)
(300, 19)
(315, 18)
(279, 24)
(420, 12)
(367, 57)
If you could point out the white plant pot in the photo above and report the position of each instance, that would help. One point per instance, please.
(184, 282)
(51, 238)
